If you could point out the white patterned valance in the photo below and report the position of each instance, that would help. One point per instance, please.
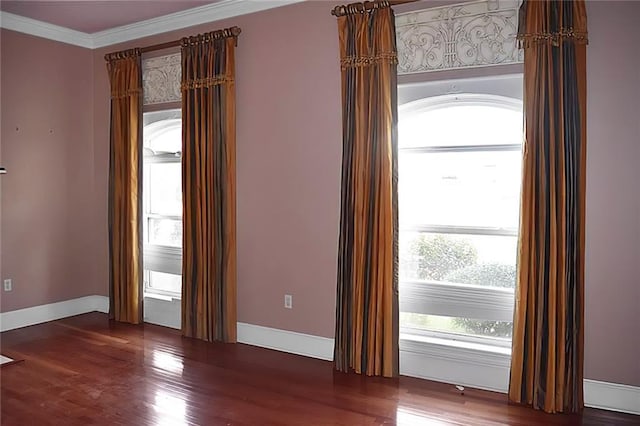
(465, 35)
(161, 79)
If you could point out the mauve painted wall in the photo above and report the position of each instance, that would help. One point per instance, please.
(289, 152)
(48, 231)
(289, 165)
(289, 145)
(612, 335)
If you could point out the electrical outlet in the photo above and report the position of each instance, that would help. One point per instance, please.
(8, 285)
(288, 301)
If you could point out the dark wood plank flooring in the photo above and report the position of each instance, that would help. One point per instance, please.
(85, 370)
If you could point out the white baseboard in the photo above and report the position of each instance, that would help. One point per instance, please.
(52, 311)
(612, 396)
(489, 372)
(101, 304)
(286, 341)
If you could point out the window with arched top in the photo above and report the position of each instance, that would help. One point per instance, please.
(162, 131)
(459, 193)
(162, 188)
(162, 201)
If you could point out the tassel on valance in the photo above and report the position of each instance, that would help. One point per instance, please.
(205, 82)
(525, 40)
(365, 61)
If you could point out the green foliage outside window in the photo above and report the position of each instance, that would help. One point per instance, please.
(440, 254)
(442, 258)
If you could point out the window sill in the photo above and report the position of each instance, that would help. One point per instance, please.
(163, 297)
(417, 340)
(455, 350)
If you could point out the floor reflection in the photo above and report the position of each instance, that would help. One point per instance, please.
(167, 361)
(408, 416)
(171, 410)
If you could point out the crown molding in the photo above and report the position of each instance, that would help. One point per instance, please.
(36, 28)
(187, 18)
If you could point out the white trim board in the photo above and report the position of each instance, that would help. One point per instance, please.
(52, 311)
(187, 18)
(491, 372)
(286, 341)
(612, 396)
(431, 362)
(36, 28)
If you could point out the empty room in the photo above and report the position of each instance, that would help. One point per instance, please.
(308, 212)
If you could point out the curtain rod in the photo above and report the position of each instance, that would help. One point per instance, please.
(227, 32)
(174, 43)
(368, 5)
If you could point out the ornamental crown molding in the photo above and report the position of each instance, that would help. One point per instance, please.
(465, 35)
(187, 18)
(36, 28)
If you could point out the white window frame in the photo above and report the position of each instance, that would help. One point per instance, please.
(453, 299)
(160, 258)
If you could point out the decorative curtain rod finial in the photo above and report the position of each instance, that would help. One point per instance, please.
(367, 6)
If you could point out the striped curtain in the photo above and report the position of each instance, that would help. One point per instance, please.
(209, 186)
(547, 356)
(125, 190)
(367, 294)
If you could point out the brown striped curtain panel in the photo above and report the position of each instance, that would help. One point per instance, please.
(367, 295)
(547, 355)
(125, 191)
(209, 186)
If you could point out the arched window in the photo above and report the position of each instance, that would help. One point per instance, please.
(459, 192)
(162, 132)
(162, 206)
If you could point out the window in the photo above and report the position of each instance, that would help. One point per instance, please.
(459, 194)
(162, 205)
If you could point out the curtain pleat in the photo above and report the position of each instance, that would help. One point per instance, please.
(209, 186)
(547, 354)
(125, 191)
(367, 289)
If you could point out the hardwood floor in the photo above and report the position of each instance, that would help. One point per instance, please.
(85, 370)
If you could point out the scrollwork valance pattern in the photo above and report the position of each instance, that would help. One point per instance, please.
(466, 35)
(161, 78)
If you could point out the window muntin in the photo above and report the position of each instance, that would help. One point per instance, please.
(162, 282)
(162, 206)
(459, 185)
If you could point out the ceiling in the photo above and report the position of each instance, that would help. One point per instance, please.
(96, 15)
(98, 23)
